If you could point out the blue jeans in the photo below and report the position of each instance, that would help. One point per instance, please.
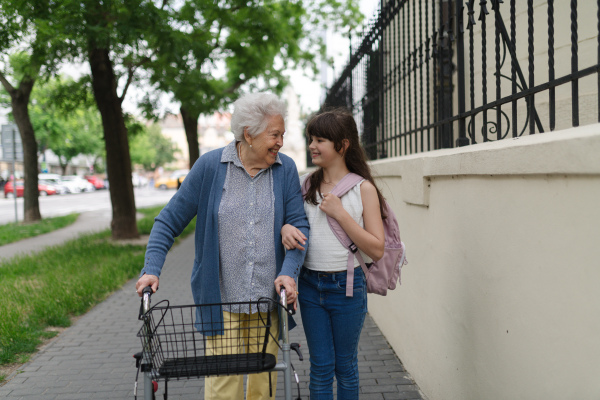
(332, 324)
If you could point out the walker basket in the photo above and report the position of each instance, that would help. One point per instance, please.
(189, 341)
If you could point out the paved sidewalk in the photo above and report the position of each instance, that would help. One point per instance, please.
(93, 358)
(90, 221)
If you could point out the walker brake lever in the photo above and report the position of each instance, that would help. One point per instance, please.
(296, 348)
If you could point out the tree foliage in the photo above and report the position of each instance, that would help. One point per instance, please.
(112, 37)
(213, 49)
(149, 148)
(66, 120)
(202, 52)
(32, 45)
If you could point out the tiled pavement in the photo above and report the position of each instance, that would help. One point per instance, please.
(93, 358)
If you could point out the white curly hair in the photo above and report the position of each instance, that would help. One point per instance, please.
(252, 111)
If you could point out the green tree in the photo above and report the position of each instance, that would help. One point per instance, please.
(112, 37)
(66, 120)
(24, 42)
(150, 149)
(216, 47)
(186, 43)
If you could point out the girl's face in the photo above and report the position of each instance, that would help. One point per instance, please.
(323, 151)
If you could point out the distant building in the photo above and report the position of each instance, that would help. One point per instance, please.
(214, 131)
(294, 143)
(172, 127)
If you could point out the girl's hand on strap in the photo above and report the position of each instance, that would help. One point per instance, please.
(292, 237)
(332, 206)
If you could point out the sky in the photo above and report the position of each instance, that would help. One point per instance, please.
(309, 90)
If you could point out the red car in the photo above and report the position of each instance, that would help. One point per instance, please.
(43, 189)
(94, 180)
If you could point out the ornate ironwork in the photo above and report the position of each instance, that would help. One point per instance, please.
(408, 96)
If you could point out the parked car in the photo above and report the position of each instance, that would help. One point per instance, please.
(138, 180)
(59, 187)
(55, 181)
(46, 189)
(96, 181)
(78, 184)
(43, 189)
(172, 181)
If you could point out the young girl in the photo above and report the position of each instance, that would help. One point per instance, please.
(332, 321)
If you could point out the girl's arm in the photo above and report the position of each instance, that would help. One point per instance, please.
(371, 239)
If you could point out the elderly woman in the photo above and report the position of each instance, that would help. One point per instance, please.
(242, 195)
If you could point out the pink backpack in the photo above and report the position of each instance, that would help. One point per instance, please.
(383, 274)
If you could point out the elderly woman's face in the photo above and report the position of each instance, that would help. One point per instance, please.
(266, 144)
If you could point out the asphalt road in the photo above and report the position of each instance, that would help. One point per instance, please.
(53, 206)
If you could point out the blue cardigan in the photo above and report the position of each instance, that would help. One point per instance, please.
(200, 195)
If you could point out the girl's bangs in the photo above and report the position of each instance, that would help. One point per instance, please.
(323, 126)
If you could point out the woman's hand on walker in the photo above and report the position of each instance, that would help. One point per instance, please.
(146, 280)
(292, 237)
(290, 288)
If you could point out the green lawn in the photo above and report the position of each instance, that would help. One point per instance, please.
(14, 232)
(47, 289)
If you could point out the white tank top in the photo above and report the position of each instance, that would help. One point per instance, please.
(325, 252)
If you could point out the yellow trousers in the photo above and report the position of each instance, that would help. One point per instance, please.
(232, 387)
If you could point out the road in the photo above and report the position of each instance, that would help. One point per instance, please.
(53, 206)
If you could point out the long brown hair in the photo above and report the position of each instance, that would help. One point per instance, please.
(338, 125)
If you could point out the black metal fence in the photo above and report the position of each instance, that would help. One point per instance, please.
(431, 74)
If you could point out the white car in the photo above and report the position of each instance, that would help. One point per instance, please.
(77, 184)
(54, 180)
(139, 180)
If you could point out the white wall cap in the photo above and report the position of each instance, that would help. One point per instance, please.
(528, 155)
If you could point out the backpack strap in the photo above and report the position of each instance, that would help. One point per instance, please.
(343, 186)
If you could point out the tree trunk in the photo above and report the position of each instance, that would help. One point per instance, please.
(190, 124)
(19, 102)
(118, 161)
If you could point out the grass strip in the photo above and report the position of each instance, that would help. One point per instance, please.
(14, 232)
(47, 289)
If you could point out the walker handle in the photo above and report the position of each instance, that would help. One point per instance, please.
(282, 296)
(145, 304)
